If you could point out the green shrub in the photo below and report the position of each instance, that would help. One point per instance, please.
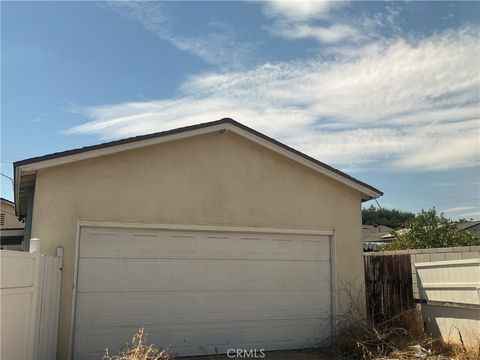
(429, 230)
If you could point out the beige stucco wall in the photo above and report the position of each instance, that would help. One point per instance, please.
(216, 179)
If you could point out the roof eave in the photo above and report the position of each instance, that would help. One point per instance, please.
(34, 164)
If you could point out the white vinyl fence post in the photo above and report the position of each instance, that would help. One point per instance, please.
(46, 302)
(35, 316)
(34, 245)
(55, 304)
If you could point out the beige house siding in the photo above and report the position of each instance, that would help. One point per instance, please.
(214, 179)
(10, 220)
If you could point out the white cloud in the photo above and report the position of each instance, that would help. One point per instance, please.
(295, 20)
(328, 35)
(217, 45)
(404, 105)
(300, 10)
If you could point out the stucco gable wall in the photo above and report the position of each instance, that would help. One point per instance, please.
(215, 179)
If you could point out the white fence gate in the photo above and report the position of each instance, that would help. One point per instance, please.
(30, 296)
(450, 291)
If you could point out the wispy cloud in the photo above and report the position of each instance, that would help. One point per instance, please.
(217, 45)
(403, 104)
(462, 184)
(458, 209)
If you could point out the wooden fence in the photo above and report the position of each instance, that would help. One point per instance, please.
(388, 285)
(29, 302)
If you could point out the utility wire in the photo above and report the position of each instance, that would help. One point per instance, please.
(8, 177)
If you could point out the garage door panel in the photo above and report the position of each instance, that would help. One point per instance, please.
(193, 289)
(117, 243)
(127, 309)
(189, 339)
(98, 275)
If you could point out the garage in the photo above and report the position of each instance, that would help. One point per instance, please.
(201, 289)
(211, 236)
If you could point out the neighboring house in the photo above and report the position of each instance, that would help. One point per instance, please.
(376, 236)
(11, 229)
(473, 227)
(376, 232)
(212, 236)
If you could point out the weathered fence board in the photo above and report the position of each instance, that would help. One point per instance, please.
(388, 285)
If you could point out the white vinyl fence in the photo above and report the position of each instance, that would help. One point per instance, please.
(450, 294)
(29, 295)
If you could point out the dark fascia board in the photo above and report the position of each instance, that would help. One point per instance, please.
(186, 129)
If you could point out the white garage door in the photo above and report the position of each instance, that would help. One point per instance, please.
(200, 291)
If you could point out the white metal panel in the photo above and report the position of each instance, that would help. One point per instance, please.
(107, 275)
(452, 290)
(455, 281)
(120, 243)
(194, 289)
(106, 309)
(198, 338)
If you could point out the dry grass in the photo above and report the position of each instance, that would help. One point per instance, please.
(456, 351)
(401, 337)
(139, 350)
(360, 339)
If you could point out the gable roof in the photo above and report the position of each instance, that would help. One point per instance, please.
(7, 201)
(25, 170)
(375, 232)
(467, 225)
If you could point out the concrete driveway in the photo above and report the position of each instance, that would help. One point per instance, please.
(304, 354)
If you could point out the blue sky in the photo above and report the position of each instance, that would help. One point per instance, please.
(386, 91)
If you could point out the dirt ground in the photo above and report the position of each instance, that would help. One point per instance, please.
(304, 354)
